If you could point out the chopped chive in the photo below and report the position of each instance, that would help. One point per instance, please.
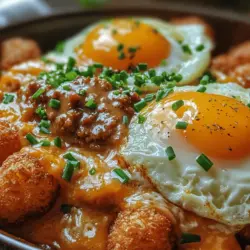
(189, 238)
(143, 66)
(139, 80)
(170, 153)
(163, 63)
(204, 80)
(66, 87)
(41, 112)
(76, 164)
(248, 105)
(71, 75)
(116, 92)
(68, 171)
(178, 77)
(126, 92)
(132, 49)
(45, 143)
(8, 98)
(186, 49)
(60, 47)
(44, 123)
(58, 142)
(125, 120)
(70, 64)
(81, 92)
(149, 97)
(114, 32)
(98, 65)
(92, 171)
(137, 90)
(123, 177)
(178, 104)
(157, 80)
(152, 73)
(44, 130)
(38, 93)
(65, 208)
(91, 104)
(120, 46)
(141, 119)
(69, 156)
(204, 162)
(123, 75)
(32, 140)
(121, 56)
(162, 93)
(181, 125)
(54, 103)
(202, 89)
(140, 105)
(200, 47)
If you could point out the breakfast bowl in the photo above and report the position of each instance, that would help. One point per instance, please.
(89, 160)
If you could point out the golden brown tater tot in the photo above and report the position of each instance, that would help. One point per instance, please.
(9, 140)
(25, 188)
(17, 50)
(194, 20)
(143, 228)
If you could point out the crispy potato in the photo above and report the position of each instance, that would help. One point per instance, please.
(25, 188)
(143, 228)
(237, 56)
(194, 20)
(17, 50)
(9, 140)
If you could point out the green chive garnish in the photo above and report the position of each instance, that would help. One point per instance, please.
(204, 80)
(32, 140)
(204, 162)
(152, 73)
(44, 130)
(143, 66)
(68, 171)
(189, 238)
(162, 93)
(92, 171)
(91, 104)
(60, 47)
(8, 98)
(125, 120)
(149, 97)
(70, 64)
(121, 55)
(200, 47)
(248, 105)
(141, 119)
(44, 123)
(181, 125)
(202, 89)
(41, 112)
(54, 103)
(178, 77)
(71, 75)
(122, 176)
(186, 49)
(140, 105)
(66, 87)
(45, 143)
(98, 65)
(170, 153)
(132, 49)
(69, 156)
(82, 92)
(38, 93)
(120, 46)
(178, 104)
(58, 142)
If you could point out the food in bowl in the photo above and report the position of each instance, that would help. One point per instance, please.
(124, 137)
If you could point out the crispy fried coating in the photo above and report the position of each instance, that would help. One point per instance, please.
(9, 140)
(25, 188)
(142, 229)
(194, 20)
(17, 50)
(237, 56)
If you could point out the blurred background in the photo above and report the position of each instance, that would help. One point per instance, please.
(14, 11)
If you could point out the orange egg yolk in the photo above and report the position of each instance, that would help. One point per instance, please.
(219, 126)
(124, 43)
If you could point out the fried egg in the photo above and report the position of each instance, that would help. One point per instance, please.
(218, 128)
(123, 43)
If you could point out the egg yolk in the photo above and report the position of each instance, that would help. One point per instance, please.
(124, 43)
(218, 126)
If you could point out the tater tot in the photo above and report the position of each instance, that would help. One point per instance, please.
(9, 140)
(25, 188)
(237, 56)
(194, 20)
(143, 228)
(17, 50)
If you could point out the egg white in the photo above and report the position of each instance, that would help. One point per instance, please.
(222, 194)
(191, 67)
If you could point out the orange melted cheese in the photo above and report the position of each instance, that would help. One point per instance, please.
(112, 43)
